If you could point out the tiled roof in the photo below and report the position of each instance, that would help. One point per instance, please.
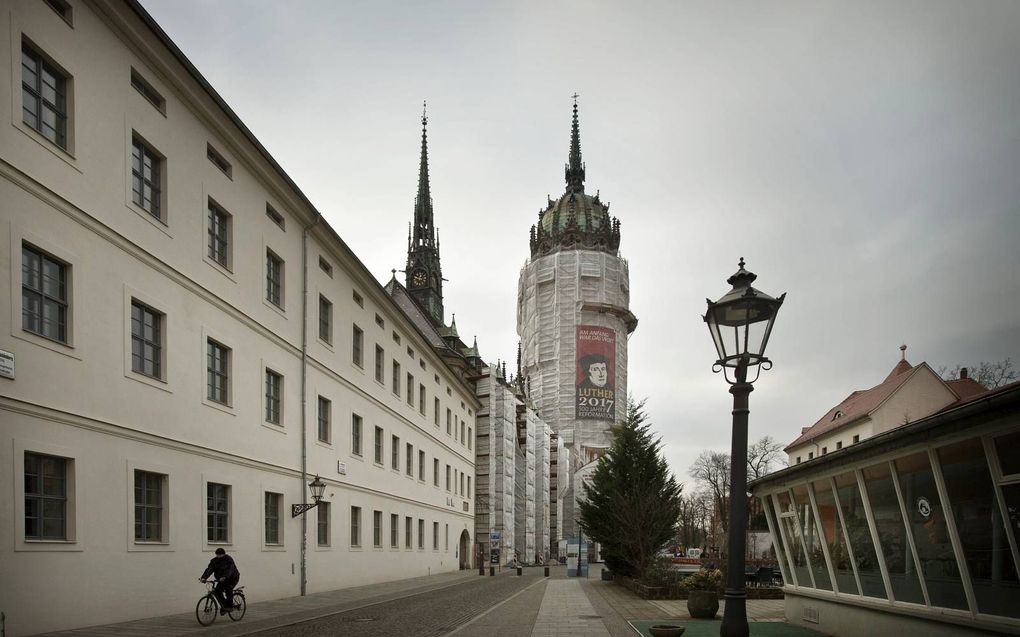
(966, 387)
(858, 404)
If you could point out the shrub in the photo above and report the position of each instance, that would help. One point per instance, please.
(704, 580)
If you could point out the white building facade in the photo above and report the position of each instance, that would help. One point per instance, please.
(189, 344)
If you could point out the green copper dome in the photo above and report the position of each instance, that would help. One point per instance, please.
(579, 204)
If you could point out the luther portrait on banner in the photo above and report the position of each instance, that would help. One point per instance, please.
(596, 373)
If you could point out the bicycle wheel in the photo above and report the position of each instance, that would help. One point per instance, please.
(239, 607)
(206, 610)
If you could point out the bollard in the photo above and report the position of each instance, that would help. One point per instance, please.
(547, 571)
(492, 571)
(520, 571)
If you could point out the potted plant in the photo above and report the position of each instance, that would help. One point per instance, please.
(703, 590)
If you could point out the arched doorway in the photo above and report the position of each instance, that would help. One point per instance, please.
(465, 550)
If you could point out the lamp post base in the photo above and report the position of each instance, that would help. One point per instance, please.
(734, 623)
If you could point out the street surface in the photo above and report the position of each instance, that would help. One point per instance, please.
(437, 612)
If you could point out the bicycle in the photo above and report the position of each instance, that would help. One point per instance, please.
(208, 606)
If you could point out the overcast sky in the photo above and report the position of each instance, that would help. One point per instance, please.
(862, 157)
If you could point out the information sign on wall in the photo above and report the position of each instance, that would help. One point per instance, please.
(596, 373)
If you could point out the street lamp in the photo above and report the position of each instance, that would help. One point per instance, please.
(740, 323)
(316, 486)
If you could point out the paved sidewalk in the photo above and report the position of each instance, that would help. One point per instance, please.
(566, 611)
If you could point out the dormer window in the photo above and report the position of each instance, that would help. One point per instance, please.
(836, 416)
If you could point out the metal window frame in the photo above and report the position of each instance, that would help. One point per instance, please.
(356, 422)
(274, 279)
(786, 542)
(41, 104)
(140, 186)
(41, 259)
(355, 525)
(820, 531)
(325, 420)
(322, 525)
(377, 529)
(154, 345)
(217, 371)
(792, 513)
(895, 477)
(274, 518)
(42, 497)
(954, 534)
(873, 527)
(379, 445)
(219, 234)
(999, 481)
(212, 498)
(274, 396)
(326, 320)
(846, 536)
(357, 344)
(145, 505)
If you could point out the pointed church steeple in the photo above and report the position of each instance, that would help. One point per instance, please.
(423, 274)
(575, 167)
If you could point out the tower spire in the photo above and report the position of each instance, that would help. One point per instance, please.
(424, 233)
(424, 275)
(575, 167)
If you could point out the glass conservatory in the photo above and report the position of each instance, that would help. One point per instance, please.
(914, 530)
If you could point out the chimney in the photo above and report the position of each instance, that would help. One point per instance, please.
(963, 373)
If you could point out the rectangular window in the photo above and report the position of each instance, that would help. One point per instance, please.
(44, 304)
(217, 372)
(380, 364)
(468, 494)
(857, 439)
(356, 434)
(396, 338)
(447, 477)
(410, 459)
(825, 450)
(460, 480)
(325, 320)
(449, 422)
(380, 322)
(469, 437)
(357, 341)
(435, 411)
(322, 524)
(274, 279)
(462, 436)
(146, 177)
(446, 537)
(377, 529)
(44, 96)
(63, 9)
(839, 445)
(273, 503)
(435, 536)
(146, 340)
(407, 531)
(274, 397)
(147, 91)
(355, 526)
(421, 363)
(378, 445)
(148, 506)
(394, 530)
(325, 419)
(218, 160)
(410, 390)
(396, 378)
(435, 471)
(421, 533)
(276, 217)
(395, 453)
(357, 299)
(219, 235)
(325, 266)
(217, 512)
(421, 399)
(45, 497)
(859, 535)
(421, 465)
(410, 352)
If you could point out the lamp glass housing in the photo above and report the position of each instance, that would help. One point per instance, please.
(317, 486)
(741, 321)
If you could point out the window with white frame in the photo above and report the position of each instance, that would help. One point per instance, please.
(219, 231)
(217, 372)
(274, 397)
(421, 399)
(150, 496)
(322, 524)
(44, 294)
(395, 453)
(273, 506)
(380, 364)
(274, 279)
(357, 344)
(396, 378)
(377, 529)
(146, 177)
(421, 465)
(325, 420)
(146, 340)
(394, 530)
(146, 90)
(46, 497)
(355, 526)
(325, 320)
(435, 411)
(356, 434)
(378, 445)
(217, 512)
(410, 390)
(44, 91)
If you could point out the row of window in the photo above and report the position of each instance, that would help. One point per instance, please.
(44, 88)
(825, 450)
(47, 510)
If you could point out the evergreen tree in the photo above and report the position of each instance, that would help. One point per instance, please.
(633, 502)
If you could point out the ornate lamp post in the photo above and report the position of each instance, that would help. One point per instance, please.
(740, 323)
(316, 486)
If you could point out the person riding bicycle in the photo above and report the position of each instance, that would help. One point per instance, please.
(222, 567)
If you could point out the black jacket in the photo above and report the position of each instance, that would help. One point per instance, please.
(222, 566)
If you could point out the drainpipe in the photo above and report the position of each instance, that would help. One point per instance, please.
(304, 396)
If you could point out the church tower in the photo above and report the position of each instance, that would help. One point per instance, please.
(423, 276)
(573, 319)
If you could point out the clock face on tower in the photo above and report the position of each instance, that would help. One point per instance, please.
(418, 278)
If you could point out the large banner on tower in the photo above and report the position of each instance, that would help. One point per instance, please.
(596, 373)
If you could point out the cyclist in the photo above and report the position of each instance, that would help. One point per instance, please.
(222, 567)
